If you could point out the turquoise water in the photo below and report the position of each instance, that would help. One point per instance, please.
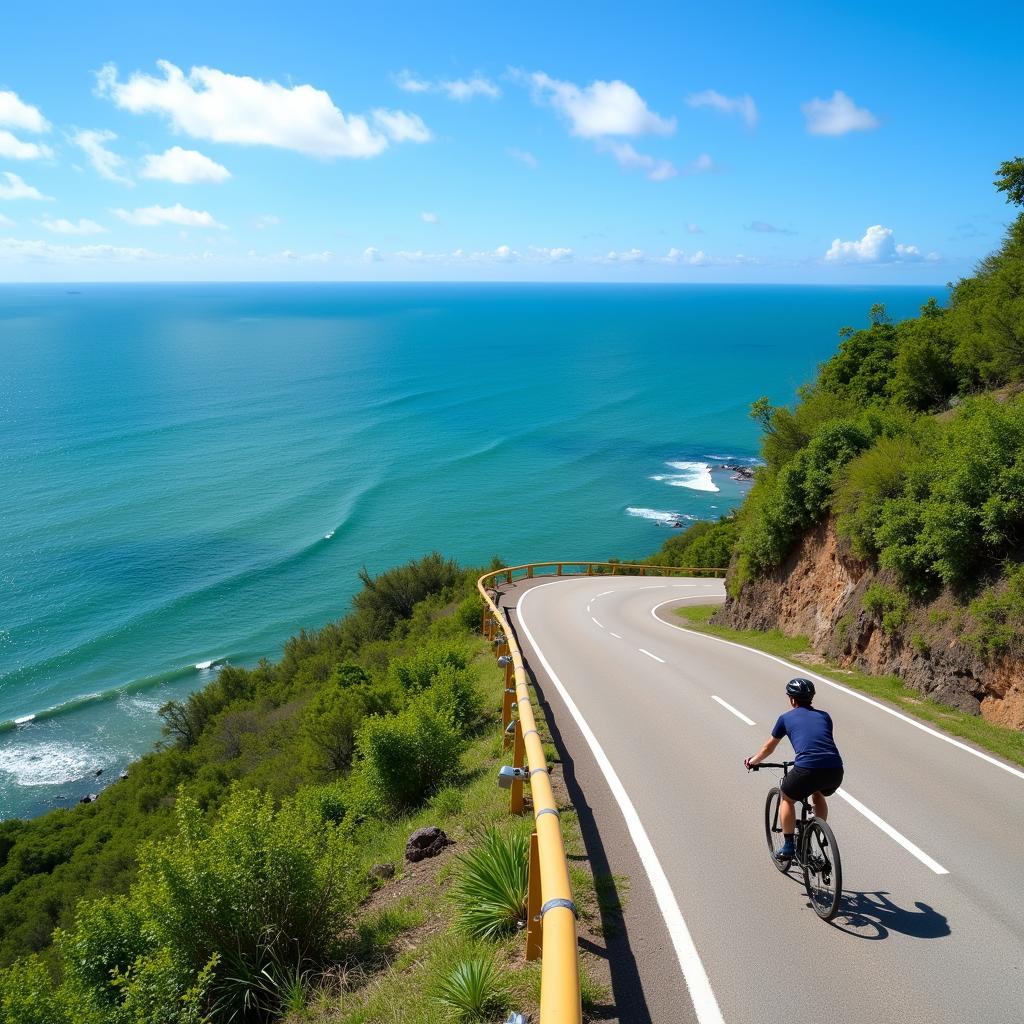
(194, 473)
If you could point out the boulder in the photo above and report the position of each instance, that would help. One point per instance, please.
(89, 798)
(425, 842)
(381, 872)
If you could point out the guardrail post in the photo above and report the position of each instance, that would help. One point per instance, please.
(534, 921)
(518, 760)
(529, 572)
(558, 569)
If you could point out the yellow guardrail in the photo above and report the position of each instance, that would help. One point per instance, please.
(550, 911)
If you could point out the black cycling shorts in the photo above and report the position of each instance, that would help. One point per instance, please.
(800, 783)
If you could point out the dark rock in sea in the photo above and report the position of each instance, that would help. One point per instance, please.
(381, 872)
(123, 775)
(98, 772)
(89, 798)
(425, 842)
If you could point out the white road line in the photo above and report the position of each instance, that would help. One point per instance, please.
(678, 585)
(923, 857)
(595, 622)
(704, 1003)
(588, 607)
(616, 635)
(729, 707)
(604, 593)
(649, 655)
(801, 670)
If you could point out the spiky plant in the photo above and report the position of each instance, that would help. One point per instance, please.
(472, 989)
(491, 882)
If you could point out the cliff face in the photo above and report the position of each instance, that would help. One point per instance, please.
(818, 592)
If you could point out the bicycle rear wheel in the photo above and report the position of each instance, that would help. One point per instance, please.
(773, 830)
(823, 870)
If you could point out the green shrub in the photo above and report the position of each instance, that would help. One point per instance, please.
(998, 615)
(473, 990)
(470, 613)
(889, 604)
(27, 996)
(920, 645)
(406, 757)
(418, 670)
(491, 883)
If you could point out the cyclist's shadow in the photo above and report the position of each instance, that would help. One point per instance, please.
(872, 915)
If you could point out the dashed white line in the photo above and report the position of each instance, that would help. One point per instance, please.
(838, 686)
(649, 655)
(923, 857)
(704, 1003)
(604, 593)
(616, 635)
(729, 707)
(595, 622)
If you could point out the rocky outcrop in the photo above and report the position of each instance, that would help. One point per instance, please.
(425, 842)
(818, 592)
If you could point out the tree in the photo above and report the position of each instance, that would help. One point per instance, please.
(1011, 180)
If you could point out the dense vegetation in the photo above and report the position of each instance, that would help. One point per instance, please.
(228, 865)
(912, 437)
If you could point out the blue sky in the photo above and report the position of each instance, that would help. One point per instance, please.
(485, 141)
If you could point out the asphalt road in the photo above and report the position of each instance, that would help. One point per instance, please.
(653, 722)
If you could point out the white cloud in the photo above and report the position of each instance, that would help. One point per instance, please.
(183, 167)
(694, 229)
(154, 216)
(627, 256)
(601, 108)
(13, 148)
(628, 157)
(877, 246)
(265, 220)
(524, 157)
(16, 188)
(837, 116)
(106, 163)
(401, 127)
(63, 226)
(5, 221)
(743, 105)
(428, 218)
(456, 89)
(211, 104)
(38, 251)
(553, 255)
(16, 114)
(371, 254)
(674, 256)
(703, 165)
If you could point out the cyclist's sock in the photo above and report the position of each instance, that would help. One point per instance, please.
(788, 836)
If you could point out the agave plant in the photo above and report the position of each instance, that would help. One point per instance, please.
(472, 989)
(490, 887)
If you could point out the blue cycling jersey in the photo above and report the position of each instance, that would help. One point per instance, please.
(810, 732)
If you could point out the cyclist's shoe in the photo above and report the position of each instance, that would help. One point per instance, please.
(787, 851)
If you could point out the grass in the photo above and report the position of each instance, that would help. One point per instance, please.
(404, 953)
(998, 739)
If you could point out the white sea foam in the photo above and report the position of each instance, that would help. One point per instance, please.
(658, 517)
(328, 536)
(695, 475)
(46, 764)
(24, 720)
(202, 666)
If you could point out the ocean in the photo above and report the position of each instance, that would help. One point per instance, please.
(192, 473)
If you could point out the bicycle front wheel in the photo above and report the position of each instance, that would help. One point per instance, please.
(823, 871)
(773, 830)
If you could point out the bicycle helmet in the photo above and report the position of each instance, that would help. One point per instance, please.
(801, 690)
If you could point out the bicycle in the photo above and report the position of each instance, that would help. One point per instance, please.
(817, 852)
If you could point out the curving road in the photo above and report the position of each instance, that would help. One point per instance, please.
(654, 722)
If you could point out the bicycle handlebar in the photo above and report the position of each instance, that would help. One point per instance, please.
(785, 765)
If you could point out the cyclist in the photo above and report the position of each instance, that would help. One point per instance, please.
(818, 769)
